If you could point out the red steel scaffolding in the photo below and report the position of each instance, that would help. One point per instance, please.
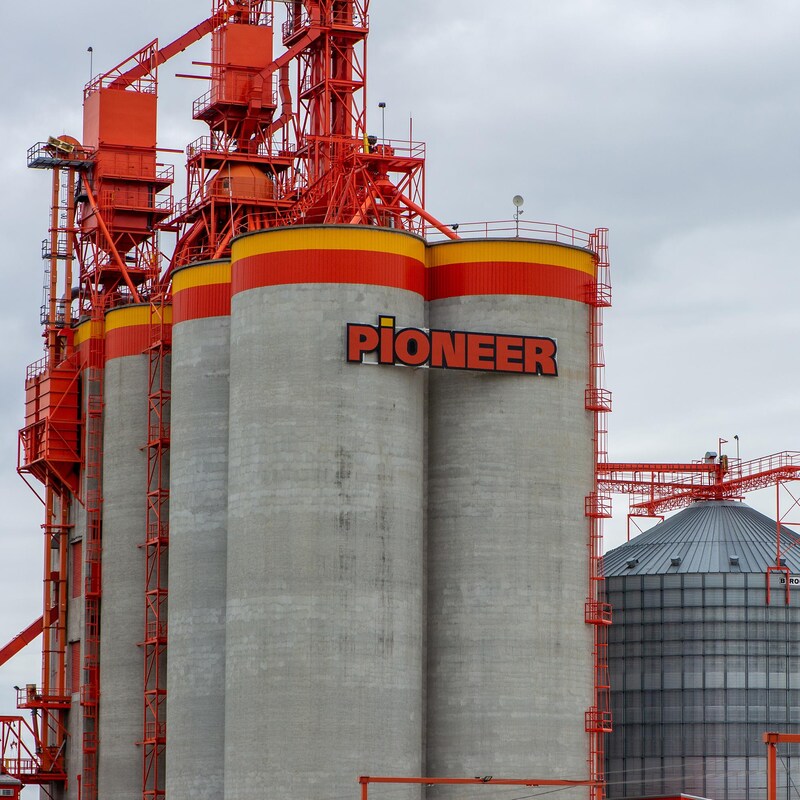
(598, 508)
(655, 488)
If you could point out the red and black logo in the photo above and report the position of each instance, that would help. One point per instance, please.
(419, 347)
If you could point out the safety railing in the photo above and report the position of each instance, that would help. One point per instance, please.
(120, 76)
(56, 153)
(772, 463)
(141, 168)
(135, 201)
(36, 369)
(180, 208)
(31, 696)
(239, 189)
(203, 102)
(401, 148)
(61, 249)
(224, 90)
(297, 21)
(516, 229)
(19, 766)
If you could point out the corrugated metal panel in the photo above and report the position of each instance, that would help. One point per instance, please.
(704, 537)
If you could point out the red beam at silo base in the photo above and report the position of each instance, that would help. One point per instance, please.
(365, 780)
(772, 740)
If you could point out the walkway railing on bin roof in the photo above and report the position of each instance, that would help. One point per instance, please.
(513, 229)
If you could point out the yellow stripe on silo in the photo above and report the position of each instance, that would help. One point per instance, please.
(329, 238)
(130, 316)
(201, 275)
(89, 329)
(469, 252)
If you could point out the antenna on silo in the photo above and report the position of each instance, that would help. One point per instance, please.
(518, 201)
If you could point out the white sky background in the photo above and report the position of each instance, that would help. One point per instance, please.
(676, 124)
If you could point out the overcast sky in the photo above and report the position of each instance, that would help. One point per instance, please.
(673, 123)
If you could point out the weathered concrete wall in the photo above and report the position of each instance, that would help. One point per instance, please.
(76, 577)
(509, 464)
(324, 626)
(198, 541)
(75, 617)
(122, 608)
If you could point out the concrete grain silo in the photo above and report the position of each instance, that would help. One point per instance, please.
(701, 664)
(324, 632)
(198, 529)
(378, 563)
(126, 382)
(510, 462)
(89, 346)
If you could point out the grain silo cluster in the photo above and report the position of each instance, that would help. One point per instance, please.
(329, 556)
(324, 488)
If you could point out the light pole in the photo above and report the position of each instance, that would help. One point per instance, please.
(382, 107)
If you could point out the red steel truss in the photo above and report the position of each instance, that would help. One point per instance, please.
(657, 488)
(21, 640)
(597, 508)
(289, 148)
(49, 452)
(346, 175)
(20, 758)
(239, 175)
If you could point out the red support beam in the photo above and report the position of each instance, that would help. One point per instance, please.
(22, 639)
(488, 780)
(772, 740)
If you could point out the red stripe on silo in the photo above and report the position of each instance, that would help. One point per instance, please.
(132, 340)
(83, 350)
(504, 277)
(328, 266)
(401, 272)
(199, 302)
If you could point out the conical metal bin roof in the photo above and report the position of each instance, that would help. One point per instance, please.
(709, 536)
